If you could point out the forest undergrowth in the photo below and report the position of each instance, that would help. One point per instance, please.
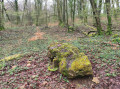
(30, 70)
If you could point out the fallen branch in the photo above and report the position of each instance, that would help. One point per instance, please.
(91, 32)
(11, 57)
(91, 27)
(115, 30)
(6, 14)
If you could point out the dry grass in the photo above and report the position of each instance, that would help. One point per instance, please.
(53, 24)
(37, 35)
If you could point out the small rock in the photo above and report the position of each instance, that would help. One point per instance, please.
(28, 64)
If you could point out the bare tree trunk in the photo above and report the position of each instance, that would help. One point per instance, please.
(64, 11)
(71, 9)
(17, 11)
(99, 7)
(1, 16)
(118, 7)
(36, 14)
(99, 11)
(3, 11)
(81, 9)
(38, 7)
(96, 16)
(24, 11)
(109, 29)
(46, 14)
(104, 9)
(54, 4)
(84, 11)
(6, 14)
(59, 11)
(74, 13)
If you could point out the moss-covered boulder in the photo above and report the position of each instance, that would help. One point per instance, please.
(69, 60)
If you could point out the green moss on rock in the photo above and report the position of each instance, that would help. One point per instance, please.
(69, 60)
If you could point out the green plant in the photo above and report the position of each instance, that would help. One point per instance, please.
(102, 65)
(113, 74)
(65, 79)
(108, 74)
(16, 70)
(2, 73)
(106, 71)
(116, 40)
(62, 24)
(36, 79)
(2, 64)
(115, 35)
(60, 77)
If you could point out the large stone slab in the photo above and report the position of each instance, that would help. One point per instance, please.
(69, 60)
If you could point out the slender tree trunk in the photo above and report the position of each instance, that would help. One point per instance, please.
(54, 3)
(96, 16)
(114, 10)
(36, 12)
(109, 29)
(59, 12)
(118, 7)
(24, 11)
(38, 6)
(6, 14)
(3, 11)
(46, 14)
(81, 9)
(99, 7)
(104, 8)
(71, 9)
(74, 13)
(1, 16)
(99, 11)
(64, 11)
(84, 11)
(17, 9)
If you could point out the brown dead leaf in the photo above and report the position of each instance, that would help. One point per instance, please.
(33, 76)
(37, 35)
(28, 64)
(13, 67)
(44, 83)
(22, 87)
(96, 80)
(28, 61)
(114, 48)
(53, 24)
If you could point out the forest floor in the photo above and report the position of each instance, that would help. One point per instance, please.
(30, 70)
